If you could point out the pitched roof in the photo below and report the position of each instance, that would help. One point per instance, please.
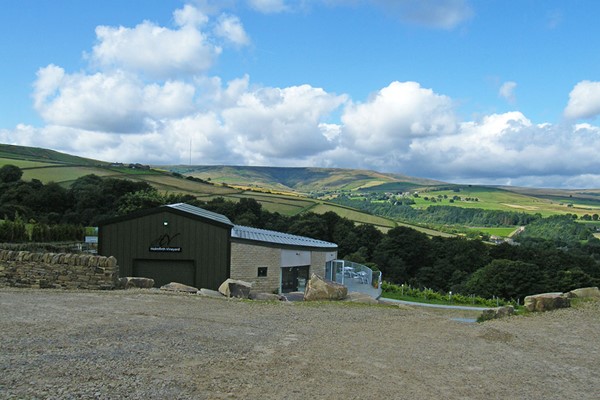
(273, 237)
(200, 212)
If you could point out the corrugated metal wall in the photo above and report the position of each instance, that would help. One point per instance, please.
(205, 243)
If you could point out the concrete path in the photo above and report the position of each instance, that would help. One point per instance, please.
(450, 307)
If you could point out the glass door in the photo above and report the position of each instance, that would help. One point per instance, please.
(294, 279)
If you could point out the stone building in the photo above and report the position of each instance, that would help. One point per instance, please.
(275, 261)
(193, 246)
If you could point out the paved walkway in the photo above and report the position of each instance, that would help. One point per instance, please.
(354, 285)
(450, 307)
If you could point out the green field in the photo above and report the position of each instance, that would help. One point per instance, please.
(284, 190)
(490, 198)
(501, 232)
(48, 166)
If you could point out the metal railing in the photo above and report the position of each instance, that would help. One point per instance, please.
(355, 276)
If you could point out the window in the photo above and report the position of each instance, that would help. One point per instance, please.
(262, 271)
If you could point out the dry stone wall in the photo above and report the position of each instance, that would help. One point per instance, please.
(57, 270)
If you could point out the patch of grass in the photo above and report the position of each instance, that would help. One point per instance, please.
(501, 232)
(24, 163)
(63, 174)
(354, 215)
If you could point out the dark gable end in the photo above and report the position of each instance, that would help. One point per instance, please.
(172, 243)
(182, 209)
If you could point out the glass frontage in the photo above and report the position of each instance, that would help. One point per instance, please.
(293, 279)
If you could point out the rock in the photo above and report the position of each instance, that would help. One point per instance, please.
(235, 288)
(500, 312)
(546, 302)
(129, 282)
(209, 293)
(357, 297)
(264, 296)
(589, 292)
(319, 288)
(292, 297)
(178, 287)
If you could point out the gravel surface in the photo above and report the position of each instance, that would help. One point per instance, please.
(148, 345)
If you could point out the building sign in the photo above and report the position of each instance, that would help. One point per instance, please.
(163, 244)
(91, 239)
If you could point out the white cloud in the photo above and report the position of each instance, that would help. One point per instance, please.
(281, 123)
(444, 14)
(395, 115)
(47, 83)
(133, 109)
(507, 91)
(230, 28)
(269, 6)
(190, 16)
(109, 102)
(157, 51)
(584, 101)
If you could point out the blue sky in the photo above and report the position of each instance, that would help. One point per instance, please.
(494, 92)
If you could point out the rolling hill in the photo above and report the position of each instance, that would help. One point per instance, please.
(51, 166)
(290, 191)
(300, 180)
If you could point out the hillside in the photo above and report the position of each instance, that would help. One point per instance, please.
(291, 191)
(36, 155)
(51, 166)
(302, 180)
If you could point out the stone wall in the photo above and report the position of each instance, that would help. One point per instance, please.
(247, 258)
(57, 270)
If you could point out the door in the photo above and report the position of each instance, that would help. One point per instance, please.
(294, 279)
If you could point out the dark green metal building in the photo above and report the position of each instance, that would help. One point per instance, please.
(172, 243)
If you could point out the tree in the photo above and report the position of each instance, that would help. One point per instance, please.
(10, 173)
(401, 253)
(507, 279)
(310, 225)
(140, 200)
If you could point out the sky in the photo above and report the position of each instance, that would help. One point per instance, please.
(502, 92)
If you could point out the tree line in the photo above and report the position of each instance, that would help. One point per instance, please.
(441, 214)
(404, 255)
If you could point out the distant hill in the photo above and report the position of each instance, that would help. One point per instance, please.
(303, 180)
(291, 191)
(36, 154)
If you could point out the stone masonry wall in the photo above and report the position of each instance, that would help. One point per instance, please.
(247, 258)
(245, 261)
(317, 261)
(57, 270)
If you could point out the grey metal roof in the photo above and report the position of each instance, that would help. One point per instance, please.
(200, 212)
(273, 237)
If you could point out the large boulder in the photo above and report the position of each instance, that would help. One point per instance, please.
(588, 292)
(264, 296)
(546, 302)
(235, 288)
(500, 312)
(178, 287)
(319, 288)
(129, 282)
(209, 293)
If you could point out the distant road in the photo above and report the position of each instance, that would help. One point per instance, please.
(411, 303)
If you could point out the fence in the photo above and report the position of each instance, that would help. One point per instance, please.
(356, 277)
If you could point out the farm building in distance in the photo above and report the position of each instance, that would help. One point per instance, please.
(196, 247)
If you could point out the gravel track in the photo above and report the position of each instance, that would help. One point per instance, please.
(148, 345)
